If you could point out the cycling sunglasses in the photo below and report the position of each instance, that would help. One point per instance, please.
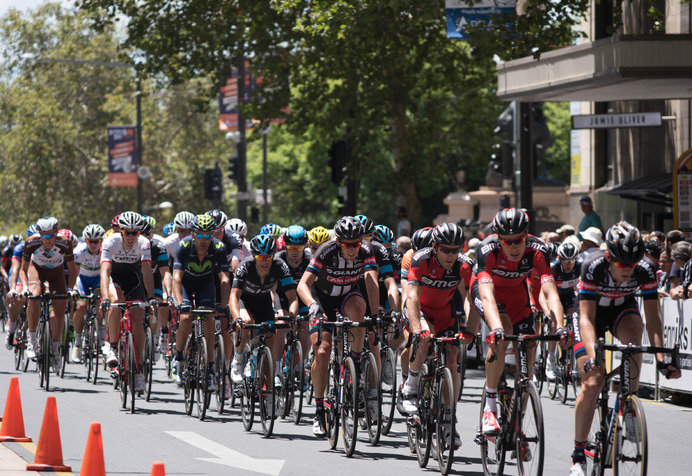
(562, 260)
(48, 236)
(449, 251)
(91, 242)
(350, 245)
(130, 232)
(623, 265)
(295, 248)
(517, 241)
(264, 257)
(206, 236)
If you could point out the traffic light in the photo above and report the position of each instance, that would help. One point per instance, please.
(213, 186)
(233, 164)
(338, 158)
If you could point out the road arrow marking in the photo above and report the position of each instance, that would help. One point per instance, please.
(229, 457)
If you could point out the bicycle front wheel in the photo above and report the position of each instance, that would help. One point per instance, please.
(530, 439)
(131, 371)
(388, 389)
(445, 421)
(349, 406)
(220, 372)
(372, 398)
(296, 381)
(47, 353)
(267, 392)
(594, 445)
(148, 362)
(332, 410)
(121, 378)
(87, 346)
(64, 345)
(201, 378)
(492, 447)
(247, 390)
(188, 373)
(424, 427)
(630, 442)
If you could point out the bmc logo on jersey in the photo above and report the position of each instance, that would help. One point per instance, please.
(439, 283)
(508, 274)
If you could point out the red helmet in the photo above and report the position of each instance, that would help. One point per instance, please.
(114, 222)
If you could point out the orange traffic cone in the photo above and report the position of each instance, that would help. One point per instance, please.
(158, 469)
(49, 450)
(12, 428)
(92, 462)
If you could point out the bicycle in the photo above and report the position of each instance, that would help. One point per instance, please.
(520, 416)
(44, 337)
(341, 400)
(124, 373)
(21, 336)
(168, 337)
(66, 339)
(220, 369)
(195, 368)
(566, 373)
(387, 326)
(618, 437)
(290, 402)
(541, 359)
(436, 406)
(148, 359)
(90, 339)
(258, 377)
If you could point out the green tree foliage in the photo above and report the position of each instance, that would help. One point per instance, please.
(557, 156)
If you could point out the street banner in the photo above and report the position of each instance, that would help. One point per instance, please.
(682, 198)
(229, 98)
(460, 15)
(122, 156)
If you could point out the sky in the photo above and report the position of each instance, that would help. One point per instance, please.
(5, 5)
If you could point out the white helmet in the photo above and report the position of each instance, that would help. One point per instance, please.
(184, 220)
(236, 225)
(93, 231)
(4, 241)
(130, 221)
(47, 224)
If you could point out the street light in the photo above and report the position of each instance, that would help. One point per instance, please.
(138, 82)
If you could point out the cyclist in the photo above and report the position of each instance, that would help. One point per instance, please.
(316, 237)
(606, 302)
(42, 260)
(499, 292)
(11, 295)
(183, 228)
(87, 255)
(200, 257)
(126, 275)
(429, 310)
(385, 237)
(254, 283)
(238, 226)
(276, 232)
(330, 285)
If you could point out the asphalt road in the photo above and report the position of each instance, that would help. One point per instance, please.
(160, 431)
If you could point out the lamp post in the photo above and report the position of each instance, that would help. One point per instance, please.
(138, 101)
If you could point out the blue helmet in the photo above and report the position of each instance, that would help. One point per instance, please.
(31, 230)
(368, 225)
(263, 245)
(295, 235)
(168, 229)
(271, 229)
(383, 234)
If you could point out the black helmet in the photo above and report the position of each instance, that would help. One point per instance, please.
(625, 243)
(567, 251)
(295, 235)
(348, 228)
(422, 238)
(263, 245)
(219, 218)
(448, 234)
(654, 247)
(510, 221)
(368, 225)
(552, 250)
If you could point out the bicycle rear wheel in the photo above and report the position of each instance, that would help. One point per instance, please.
(530, 440)
(121, 378)
(247, 390)
(201, 378)
(87, 345)
(284, 398)
(556, 385)
(40, 350)
(188, 373)
(296, 381)
(308, 376)
(65, 341)
(332, 411)
(445, 421)
(492, 447)
(566, 371)
(20, 344)
(131, 371)
(148, 362)
(220, 373)
(388, 388)
(372, 398)
(349, 406)
(424, 425)
(267, 392)
(630, 442)
(539, 364)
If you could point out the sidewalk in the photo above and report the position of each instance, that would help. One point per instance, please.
(12, 464)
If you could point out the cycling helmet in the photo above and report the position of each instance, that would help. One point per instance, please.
(625, 243)
(448, 234)
(14, 239)
(383, 234)
(46, 224)
(654, 247)
(552, 250)
(183, 220)
(567, 251)
(67, 235)
(93, 232)
(114, 221)
(203, 223)
(4, 241)
(263, 245)
(150, 220)
(31, 231)
(146, 228)
(236, 225)
(368, 225)
(295, 235)
(511, 221)
(168, 229)
(219, 218)
(348, 228)
(271, 229)
(319, 235)
(130, 221)
(422, 238)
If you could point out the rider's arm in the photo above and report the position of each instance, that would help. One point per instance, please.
(14, 275)
(24, 273)
(178, 285)
(167, 280)
(225, 283)
(653, 325)
(304, 286)
(587, 327)
(554, 305)
(148, 278)
(105, 278)
(373, 289)
(234, 303)
(413, 307)
(393, 294)
(293, 302)
(74, 273)
(492, 314)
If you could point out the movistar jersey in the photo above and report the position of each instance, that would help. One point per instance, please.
(214, 261)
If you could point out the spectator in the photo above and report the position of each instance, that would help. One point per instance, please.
(591, 218)
(658, 236)
(664, 274)
(592, 239)
(564, 231)
(403, 226)
(672, 237)
(680, 253)
(553, 237)
(403, 243)
(653, 253)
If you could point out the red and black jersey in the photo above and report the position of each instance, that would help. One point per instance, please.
(492, 266)
(437, 284)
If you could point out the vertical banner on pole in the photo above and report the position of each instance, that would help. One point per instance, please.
(122, 156)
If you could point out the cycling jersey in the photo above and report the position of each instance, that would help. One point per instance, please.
(406, 264)
(6, 256)
(597, 284)
(336, 276)
(159, 258)
(125, 261)
(296, 273)
(247, 279)
(214, 261)
(566, 282)
(385, 271)
(60, 253)
(89, 264)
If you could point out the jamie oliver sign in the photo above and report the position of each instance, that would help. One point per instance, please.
(611, 121)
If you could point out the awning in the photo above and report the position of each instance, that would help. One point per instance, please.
(626, 67)
(655, 189)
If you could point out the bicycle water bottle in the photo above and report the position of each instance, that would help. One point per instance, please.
(252, 363)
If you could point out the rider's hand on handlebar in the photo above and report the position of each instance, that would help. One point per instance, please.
(424, 335)
(668, 370)
(565, 337)
(494, 337)
(465, 337)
